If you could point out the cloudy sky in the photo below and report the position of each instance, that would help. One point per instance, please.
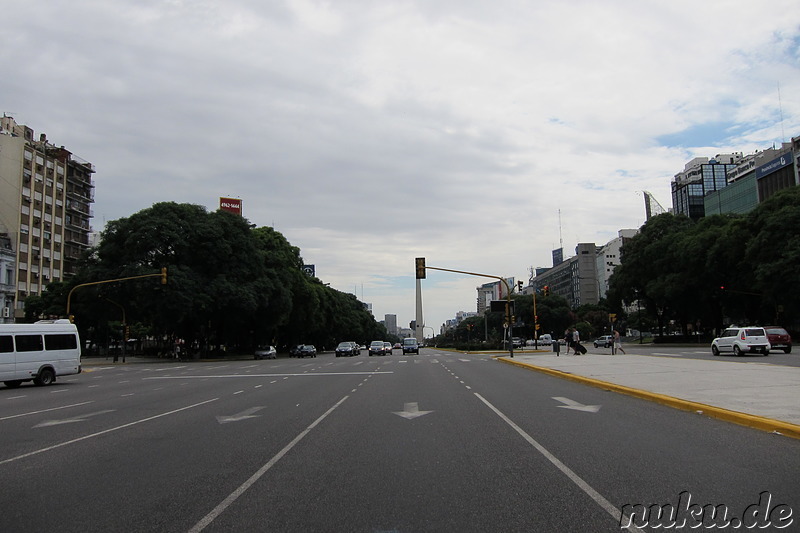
(477, 134)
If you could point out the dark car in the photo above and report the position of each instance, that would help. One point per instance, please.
(294, 351)
(347, 349)
(376, 348)
(410, 345)
(307, 350)
(779, 338)
(266, 352)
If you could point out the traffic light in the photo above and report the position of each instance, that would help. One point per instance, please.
(546, 290)
(519, 284)
(163, 275)
(420, 261)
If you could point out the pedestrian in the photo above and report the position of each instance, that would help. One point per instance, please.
(568, 340)
(576, 340)
(617, 343)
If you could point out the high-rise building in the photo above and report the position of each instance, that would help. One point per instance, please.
(391, 324)
(45, 198)
(609, 257)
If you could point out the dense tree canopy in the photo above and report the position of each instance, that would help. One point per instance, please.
(721, 269)
(229, 284)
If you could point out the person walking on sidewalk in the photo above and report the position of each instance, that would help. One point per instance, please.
(567, 340)
(576, 341)
(617, 344)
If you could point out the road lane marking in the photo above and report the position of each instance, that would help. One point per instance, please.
(80, 418)
(105, 431)
(575, 478)
(232, 497)
(577, 406)
(284, 376)
(43, 410)
(411, 411)
(238, 417)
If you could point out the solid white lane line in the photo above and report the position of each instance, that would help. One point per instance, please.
(43, 411)
(123, 426)
(575, 478)
(284, 376)
(219, 509)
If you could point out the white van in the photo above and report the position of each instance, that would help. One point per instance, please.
(38, 352)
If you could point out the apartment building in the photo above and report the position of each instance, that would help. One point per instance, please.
(46, 194)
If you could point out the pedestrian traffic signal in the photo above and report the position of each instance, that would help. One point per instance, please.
(420, 261)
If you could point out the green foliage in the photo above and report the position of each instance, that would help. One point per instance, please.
(721, 269)
(228, 284)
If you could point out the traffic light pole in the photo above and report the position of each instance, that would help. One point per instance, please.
(162, 275)
(508, 296)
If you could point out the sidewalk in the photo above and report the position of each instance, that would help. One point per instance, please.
(758, 395)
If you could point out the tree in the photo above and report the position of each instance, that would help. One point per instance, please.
(229, 284)
(721, 269)
(774, 253)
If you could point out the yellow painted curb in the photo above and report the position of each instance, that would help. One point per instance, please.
(757, 422)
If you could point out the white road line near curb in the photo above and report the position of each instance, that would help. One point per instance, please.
(579, 481)
(232, 497)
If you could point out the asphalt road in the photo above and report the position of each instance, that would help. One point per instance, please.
(435, 442)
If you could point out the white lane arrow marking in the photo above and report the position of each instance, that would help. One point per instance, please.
(411, 410)
(81, 418)
(244, 415)
(572, 404)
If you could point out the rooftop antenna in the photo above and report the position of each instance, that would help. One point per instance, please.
(780, 108)
(560, 238)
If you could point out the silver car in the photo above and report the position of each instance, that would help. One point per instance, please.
(266, 352)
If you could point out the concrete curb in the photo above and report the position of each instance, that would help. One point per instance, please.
(757, 422)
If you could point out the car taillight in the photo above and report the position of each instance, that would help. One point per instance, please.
(743, 336)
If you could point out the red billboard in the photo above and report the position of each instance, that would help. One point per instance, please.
(232, 205)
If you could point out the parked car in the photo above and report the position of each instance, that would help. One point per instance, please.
(347, 349)
(266, 352)
(410, 345)
(307, 350)
(606, 341)
(294, 351)
(377, 348)
(779, 338)
(387, 346)
(738, 341)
